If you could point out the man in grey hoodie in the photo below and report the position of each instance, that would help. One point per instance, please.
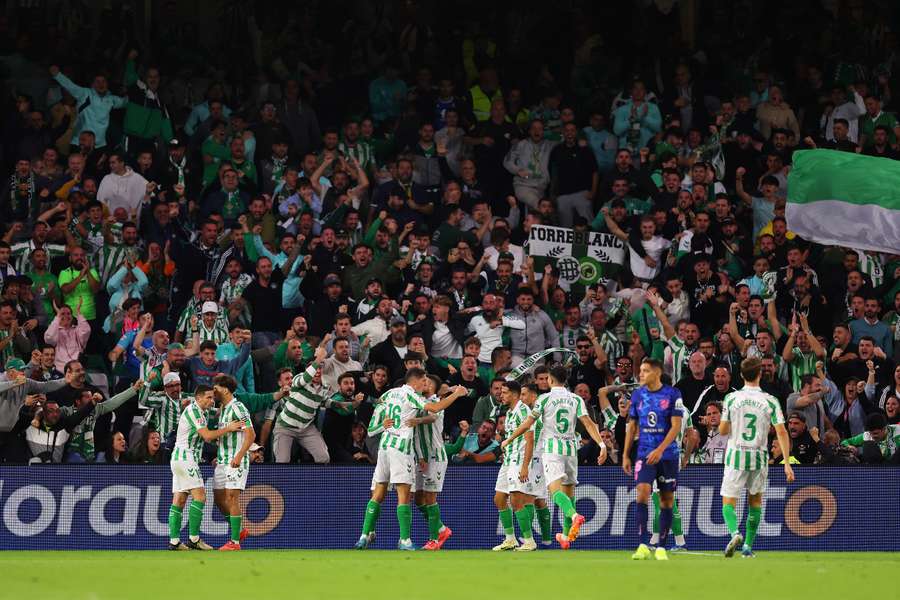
(14, 387)
(529, 162)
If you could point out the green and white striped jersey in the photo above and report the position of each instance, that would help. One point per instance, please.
(613, 348)
(803, 363)
(304, 400)
(559, 411)
(888, 445)
(751, 413)
(400, 404)
(870, 264)
(110, 257)
(218, 333)
(515, 452)
(188, 443)
(230, 443)
(429, 437)
(21, 254)
(680, 354)
(165, 411)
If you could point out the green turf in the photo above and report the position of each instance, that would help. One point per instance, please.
(460, 575)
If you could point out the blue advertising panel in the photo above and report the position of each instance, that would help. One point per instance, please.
(300, 506)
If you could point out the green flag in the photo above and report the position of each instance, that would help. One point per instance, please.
(845, 199)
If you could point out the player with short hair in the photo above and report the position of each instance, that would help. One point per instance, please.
(232, 459)
(656, 414)
(430, 452)
(396, 466)
(747, 416)
(501, 488)
(559, 410)
(186, 478)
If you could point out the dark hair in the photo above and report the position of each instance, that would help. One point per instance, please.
(876, 421)
(202, 389)
(346, 375)
(412, 355)
(208, 345)
(512, 386)
(435, 380)
(559, 373)
(414, 373)
(226, 381)
(652, 362)
(540, 370)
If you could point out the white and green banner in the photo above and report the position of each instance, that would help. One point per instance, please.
(532, 361)
(845, 199)
(582, 258)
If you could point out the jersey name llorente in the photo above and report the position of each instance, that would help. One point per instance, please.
(515, 452)
(429, 437)
(188, 443)
(400, 404)
(751, 413)
(559, 411)
(230, 443)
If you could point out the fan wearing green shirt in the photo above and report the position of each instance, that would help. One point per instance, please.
(79, 284)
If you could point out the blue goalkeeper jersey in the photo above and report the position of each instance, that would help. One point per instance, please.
(653, 412)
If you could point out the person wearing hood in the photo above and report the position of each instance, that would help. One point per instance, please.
(122, 188)
(93, 105)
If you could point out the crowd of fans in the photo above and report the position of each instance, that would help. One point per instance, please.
(150, 243)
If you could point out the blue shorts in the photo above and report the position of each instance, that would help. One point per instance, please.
(664, 473)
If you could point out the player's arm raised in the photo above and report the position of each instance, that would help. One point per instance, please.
(458, 392)
(784, 443)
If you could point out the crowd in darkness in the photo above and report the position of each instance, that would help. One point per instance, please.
(367, 183)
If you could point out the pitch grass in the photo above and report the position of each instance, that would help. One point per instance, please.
(457, 575)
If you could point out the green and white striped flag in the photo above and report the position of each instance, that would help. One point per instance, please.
(845, 199)
(582, 258)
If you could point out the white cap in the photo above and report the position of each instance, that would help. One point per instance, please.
(171, 377)
(254, 447)
(209, 307)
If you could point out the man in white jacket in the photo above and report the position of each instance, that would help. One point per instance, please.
(123, 188)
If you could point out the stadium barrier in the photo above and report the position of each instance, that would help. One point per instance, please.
(126, 507)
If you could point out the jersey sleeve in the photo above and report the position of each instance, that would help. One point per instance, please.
(376, 422)
(726, 408)
(580, 409)
(416, 401)
(242, 414)
(775, 408)
(538, 410)
(633, 408)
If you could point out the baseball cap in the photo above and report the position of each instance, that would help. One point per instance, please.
(254, 447)
(728, 221)
(332, 279)
(209, 307)
(797, 415)
(171, 377)
(15, 363)
(372, 280)
(398, 321)
(176, 346)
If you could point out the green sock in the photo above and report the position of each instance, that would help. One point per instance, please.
(676, 520)
(373, 509)
(506, 519)
(235, 528)
(404, 519)
(655, 498)
(195, 517)
(524, 517)
(754, 516)
(546, 523)
(433, 512)
(423, 508)
(730, 519)
(564, 503)
(174, 523)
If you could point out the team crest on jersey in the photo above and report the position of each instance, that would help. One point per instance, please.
(664, 404)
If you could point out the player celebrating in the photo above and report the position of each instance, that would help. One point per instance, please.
(429, 445)
(186, 478)
(395, 464)
(524, 483)
(232, 461)
(656, 413)
(752, 411)
(501, 488)
(558, 412)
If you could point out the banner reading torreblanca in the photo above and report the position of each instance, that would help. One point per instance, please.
(582, 258)
(845, 199)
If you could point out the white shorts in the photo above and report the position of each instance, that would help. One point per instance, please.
(394, 467)
(734, 482)
(431, 479)
(502, 484)
(557, 467)
(227, 477)
(535, 486)
(185, 476)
